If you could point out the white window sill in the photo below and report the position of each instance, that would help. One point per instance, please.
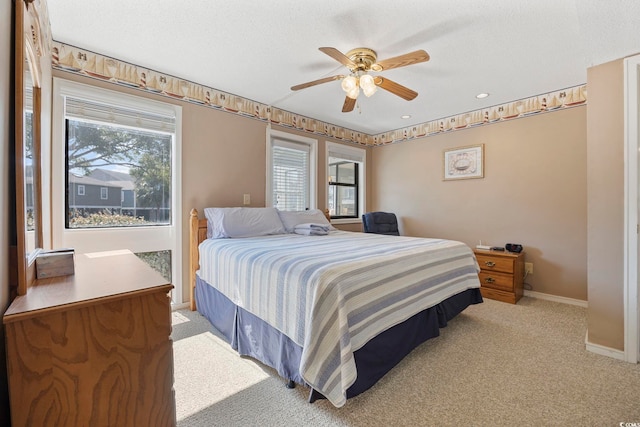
(346, 221)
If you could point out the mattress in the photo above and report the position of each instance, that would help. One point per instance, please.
(332, 294)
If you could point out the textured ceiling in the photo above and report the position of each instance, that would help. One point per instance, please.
(259, 49)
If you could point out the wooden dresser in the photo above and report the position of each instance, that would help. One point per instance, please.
(501, 275)
(94, 348)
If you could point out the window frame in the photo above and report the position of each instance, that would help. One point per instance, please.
(279, 138)
(351, 153)
(104, 193)
(140, 239)
(355, 186)
(81, 187)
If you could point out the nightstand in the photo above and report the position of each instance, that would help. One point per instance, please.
(501, 275)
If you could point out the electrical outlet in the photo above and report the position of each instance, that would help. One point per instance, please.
(247, 199)
(528, 268)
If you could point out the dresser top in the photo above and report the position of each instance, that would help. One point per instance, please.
(98, 276)
(505, 253)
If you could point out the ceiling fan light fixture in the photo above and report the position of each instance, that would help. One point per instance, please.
(360, 62)
(368, 85)
(353, 93)
(349, 83)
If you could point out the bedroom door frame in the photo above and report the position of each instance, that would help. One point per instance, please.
(632, 206)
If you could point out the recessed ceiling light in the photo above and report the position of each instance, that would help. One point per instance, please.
(406, 116)
(482, 95)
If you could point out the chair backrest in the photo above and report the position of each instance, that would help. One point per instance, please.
(380, 223)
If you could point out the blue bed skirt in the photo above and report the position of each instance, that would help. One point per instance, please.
(253, 337)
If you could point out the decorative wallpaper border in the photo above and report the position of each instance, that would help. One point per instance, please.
(41, 34)
(552, 101)
(83, 62)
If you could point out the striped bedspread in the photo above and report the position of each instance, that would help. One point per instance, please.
(332, 294)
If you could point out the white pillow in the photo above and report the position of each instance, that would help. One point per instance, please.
(292, 218)
(242, 222)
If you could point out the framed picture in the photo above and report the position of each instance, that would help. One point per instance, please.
(464, 162)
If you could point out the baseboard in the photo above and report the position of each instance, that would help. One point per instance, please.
(180, 306)
(602, 350)
(549, 297)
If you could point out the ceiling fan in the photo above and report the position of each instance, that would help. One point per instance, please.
(360, 62)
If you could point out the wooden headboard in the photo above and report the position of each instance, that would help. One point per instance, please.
(197, 233)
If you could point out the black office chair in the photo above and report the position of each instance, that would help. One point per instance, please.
(380, 223)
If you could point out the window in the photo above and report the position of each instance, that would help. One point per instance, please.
(343, 189)
(291, 179)
(125, 151)
(80, 190)
(130, 149)
(345, 173)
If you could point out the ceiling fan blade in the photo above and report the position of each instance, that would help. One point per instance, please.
(349, 104)
(395, 88)
(317, 82)
(338, 56)
(401, 61)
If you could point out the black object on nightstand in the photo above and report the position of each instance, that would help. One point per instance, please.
(514, 247)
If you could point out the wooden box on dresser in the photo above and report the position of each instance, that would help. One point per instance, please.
(94, 348)
(501, 275)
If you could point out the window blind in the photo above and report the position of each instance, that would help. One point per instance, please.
(338, 156)
(76, 108)
(336, 152)
(290, 175)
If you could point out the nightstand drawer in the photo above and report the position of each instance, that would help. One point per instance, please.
(495, 294)
(494, 280)
(495, 263)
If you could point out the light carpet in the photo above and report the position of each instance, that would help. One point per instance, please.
(495, 364)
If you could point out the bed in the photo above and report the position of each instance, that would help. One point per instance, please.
(334, 311)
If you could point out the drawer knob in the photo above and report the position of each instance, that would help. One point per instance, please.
(489, 280)
(490, 263)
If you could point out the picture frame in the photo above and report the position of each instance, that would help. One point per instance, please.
(463, 162)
